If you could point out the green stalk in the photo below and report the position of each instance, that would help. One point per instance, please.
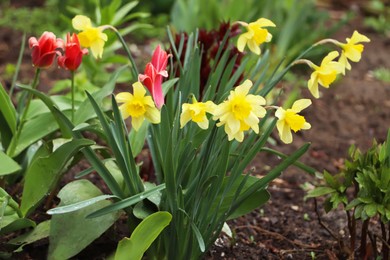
(22, 120)
(134, 70)
(72, 90)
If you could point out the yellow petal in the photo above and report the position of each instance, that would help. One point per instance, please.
(328, 58)
(185, 117)
(284, 132)
(204, 124)
(300, 104)
(124, 111)
(243, 89)
(136, 122)
(312, 84)
(153, 115)
(269, 37)
(241, 42)
(97, 48)
(263, 22)
(138, 90)
(253, 47)
(357, 37)
(306, 126)
(123, 97)
(280, 113)
(81, 22)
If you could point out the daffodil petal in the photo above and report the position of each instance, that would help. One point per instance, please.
(300, 104)
(264, 22)
(253, 47)
(81, 22)
(312, 85)
(136, 122)
(123, 97)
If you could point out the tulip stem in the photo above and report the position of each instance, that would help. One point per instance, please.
(72, 93)
(134, 70)
(22, 119)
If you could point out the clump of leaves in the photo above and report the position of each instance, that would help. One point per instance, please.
(211, 42)
(362, 189)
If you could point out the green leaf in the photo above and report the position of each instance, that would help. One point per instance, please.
(143, 236)
(254, 201)
(72, 232)
(7, 165)
(39, 232)
(127, 202)
(319, 191)
(7, 109)
(13, 223)
(370, 210)
(137, 138)
(79, 205)
(33, 130)
(45, 172)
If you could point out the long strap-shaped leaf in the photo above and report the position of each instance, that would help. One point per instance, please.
(126, 202)
(92, 157)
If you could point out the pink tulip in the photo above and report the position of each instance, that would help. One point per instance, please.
(154, 73)
(45, 49)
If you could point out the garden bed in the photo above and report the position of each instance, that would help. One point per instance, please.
(355, 110)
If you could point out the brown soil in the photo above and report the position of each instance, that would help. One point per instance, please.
(355, 110)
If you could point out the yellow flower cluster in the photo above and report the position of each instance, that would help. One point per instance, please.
(242, 111)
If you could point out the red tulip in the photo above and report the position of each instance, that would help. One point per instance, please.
(45, 49)
(73, 53)
(154, 71)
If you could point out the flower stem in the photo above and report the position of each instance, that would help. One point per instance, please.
(22, 119)
(72, 93)
(134, 70)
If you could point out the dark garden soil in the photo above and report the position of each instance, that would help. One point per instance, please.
(355, 110)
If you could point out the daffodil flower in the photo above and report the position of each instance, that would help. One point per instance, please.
(325, 74)
(196, 112)
(352, 50)
(138, 106)
(240, 112)
(255, 35)
(290, 120)
(90, 37)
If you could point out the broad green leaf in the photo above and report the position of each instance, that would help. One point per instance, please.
(39, 232)
(7, 165)
(320, 191)
(13, 223)
(7, 109)
(143, 236)
(33, 130)
(370, 210)
(45, 172)
(72, 232)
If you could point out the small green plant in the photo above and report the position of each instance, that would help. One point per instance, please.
(362, 189)
(379, 20)
(382, 74)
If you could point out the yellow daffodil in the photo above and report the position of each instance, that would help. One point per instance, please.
(240, 112)
(138, 106)
(290, 120)
(352, 50)
(325, 74)
(196, 112)
(255, 35)
(90, 37)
